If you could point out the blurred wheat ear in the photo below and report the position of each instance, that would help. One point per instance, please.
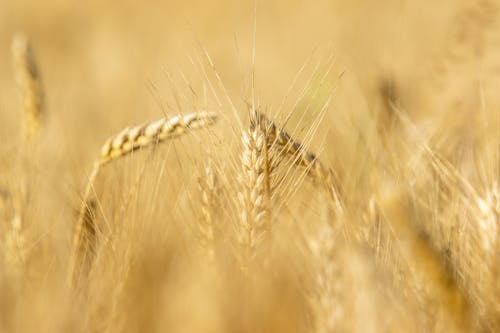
(30, 85)
(210, 203)
(85, 239)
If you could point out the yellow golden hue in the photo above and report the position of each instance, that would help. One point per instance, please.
(364, 196)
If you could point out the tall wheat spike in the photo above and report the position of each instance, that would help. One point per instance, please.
(127, 141)
(209, 188)
(28, 78)
(255, 194)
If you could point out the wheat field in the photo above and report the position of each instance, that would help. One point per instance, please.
(253, 166)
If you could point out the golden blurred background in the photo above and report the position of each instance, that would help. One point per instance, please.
(106, 65)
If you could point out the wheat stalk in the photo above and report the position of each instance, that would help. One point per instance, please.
(28, 78)
(127, 141)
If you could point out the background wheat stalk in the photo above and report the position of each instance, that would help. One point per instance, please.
(127, 141)
(30, 84)
(210, 203)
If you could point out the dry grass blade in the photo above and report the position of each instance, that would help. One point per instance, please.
(86, 231)
(30, 84)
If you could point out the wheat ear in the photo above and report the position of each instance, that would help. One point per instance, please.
(288, 146)
(131, 139)
(127, 141)
(28, 78)
(255, 194)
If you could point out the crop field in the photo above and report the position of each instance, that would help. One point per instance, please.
(250, 166)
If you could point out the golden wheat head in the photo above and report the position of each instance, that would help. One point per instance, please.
(255, 194)
(286, 145)
(128, 140)
(131, 139)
